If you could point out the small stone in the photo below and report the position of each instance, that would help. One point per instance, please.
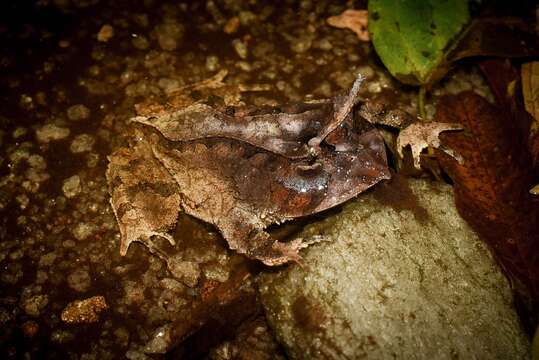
(169, 35)
(188, 272)
(79, 280)
(246, 17)
(84, 311)
(61, 336)
(232, 25)
(23, 201)
(51, 132)
(366, 71)
(122, 336)
(324, 44)
(105, 33)
(5, 316)
(47, 259)
(140, 42)
(82, 143)
(26, 102)
(35, 304)
(324, 89)
(41, 277)
(18, 132)
(71, 186)
(240, 47)
(29, 328)
(212, 63)
(244, 65)
(12, 273)
(301, 45)
(374, 87)
(168, 85)
(37, 162)
(83, 230)
(78, 112)
(92, 159)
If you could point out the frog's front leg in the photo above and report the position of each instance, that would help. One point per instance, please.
(256, 243)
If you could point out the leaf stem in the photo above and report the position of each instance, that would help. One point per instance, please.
(421, 103)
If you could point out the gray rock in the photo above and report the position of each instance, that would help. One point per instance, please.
(403, 277)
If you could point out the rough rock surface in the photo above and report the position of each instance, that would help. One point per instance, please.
(396, 281)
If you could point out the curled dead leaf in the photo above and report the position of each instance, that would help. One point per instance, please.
(421, 135)
(355, 20)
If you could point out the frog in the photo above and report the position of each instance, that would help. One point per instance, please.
(242, 169)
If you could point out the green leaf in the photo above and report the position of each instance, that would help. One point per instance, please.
(413, 36)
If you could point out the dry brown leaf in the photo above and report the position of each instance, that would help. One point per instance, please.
(492, 185)
(355, 20)
(421, 135)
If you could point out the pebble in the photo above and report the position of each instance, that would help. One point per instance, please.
(244, 65)
(246, 17)
(29, 328)
(84, 311)
(37, 162)
(240, 47)
(78, 112)
(302, 44)
(168, 85)
(26, 102)
(187, 272)
(47, 259)
(62, 336)
(71, 186)
(51, 132)
(18, 132)
(374, 87)
(212, 63)
(105, 33)
(35, 304)
(232, 25)
(140, 42)
(92, 160)
(79, 280)
(82, 143)
(169, 35)
(83, 230)
(324, 44)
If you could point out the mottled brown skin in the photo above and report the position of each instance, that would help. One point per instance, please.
(242, 170)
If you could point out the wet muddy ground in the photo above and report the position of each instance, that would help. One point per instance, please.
(71, 73)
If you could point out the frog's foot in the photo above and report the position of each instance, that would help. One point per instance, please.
(279, 253)
(144, 237)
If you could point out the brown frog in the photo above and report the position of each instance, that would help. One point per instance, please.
(243, 169)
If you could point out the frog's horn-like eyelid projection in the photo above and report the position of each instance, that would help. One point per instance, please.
(340, 115)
